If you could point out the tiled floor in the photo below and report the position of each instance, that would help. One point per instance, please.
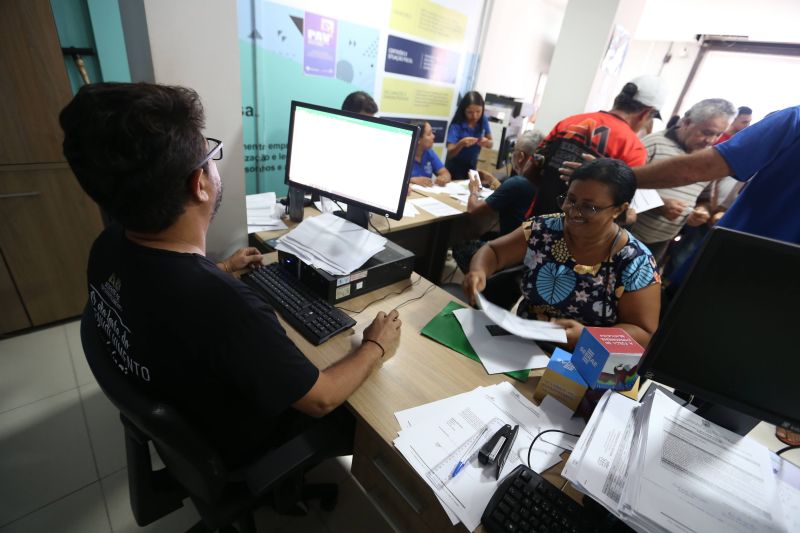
(62, 455)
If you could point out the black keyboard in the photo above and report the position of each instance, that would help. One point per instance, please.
(526, 502)
(314, 318)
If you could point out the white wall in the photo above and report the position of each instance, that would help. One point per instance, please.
(194, 43)
(519, 46)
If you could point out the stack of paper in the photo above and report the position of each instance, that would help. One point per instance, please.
(660, 467)
(434, 207)
(331, 243)
(435, 436)
(263, 212)
(539, 330)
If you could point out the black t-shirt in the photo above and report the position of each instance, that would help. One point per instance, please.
(511, 200)
(183, 330)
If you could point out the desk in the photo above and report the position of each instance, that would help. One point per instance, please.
(427, 236)
(421, 371)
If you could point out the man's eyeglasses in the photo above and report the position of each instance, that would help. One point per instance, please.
(584, 211)
(214, 152)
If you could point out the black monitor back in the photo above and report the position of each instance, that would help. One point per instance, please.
(732, 333)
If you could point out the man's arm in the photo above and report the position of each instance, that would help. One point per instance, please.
(337, 382)
(703, 165)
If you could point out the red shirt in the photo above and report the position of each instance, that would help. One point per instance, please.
(607, 134)
(722, 138)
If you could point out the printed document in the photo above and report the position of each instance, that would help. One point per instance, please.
(538, 330)
(434, 207)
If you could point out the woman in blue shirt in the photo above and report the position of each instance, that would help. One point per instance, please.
(427, 163)
(469, 132)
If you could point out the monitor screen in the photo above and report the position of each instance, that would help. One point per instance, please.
(731, 334)
(360, 160)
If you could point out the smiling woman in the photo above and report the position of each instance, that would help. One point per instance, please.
(582, 269)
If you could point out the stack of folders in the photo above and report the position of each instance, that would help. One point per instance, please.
(659, 467)
(332, 244)
(436, 437)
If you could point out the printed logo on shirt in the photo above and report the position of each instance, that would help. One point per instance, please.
(111, 288)
(428, 168)
(117, 335)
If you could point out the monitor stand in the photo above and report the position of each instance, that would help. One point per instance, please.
(356, 215)
(730, 419)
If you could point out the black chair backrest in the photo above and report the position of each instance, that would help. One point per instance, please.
(186, 454)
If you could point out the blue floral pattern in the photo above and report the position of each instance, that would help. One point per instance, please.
(552, 286)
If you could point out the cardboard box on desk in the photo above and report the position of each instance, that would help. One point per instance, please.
(607, 358)
(561, 380)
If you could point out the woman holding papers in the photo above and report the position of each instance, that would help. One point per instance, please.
(426, 163)
(583, 269)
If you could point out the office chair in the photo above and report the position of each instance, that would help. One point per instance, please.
(195, 470)
(503, 287)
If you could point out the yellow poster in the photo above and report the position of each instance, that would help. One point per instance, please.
(413, 98)
(428, 20)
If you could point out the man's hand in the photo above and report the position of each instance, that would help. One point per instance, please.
(474, 282)
(385, 330)
(570, 166)
(485, 142)
(672, 209)
(573, 327)
(715, 218)
(698, 216)
(243, 258)
(468, 141)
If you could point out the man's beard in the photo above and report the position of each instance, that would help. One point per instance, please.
(218, 202)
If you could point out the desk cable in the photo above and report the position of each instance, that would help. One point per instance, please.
(530, 448)
(419, 278)
(787, 448)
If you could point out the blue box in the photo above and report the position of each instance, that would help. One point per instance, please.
(561, 380)
(607, 358)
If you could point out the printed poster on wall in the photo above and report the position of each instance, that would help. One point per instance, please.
(319, 46)
(420, 60)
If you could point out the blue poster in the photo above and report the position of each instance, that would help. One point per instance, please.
(319, 52)
(411, 58)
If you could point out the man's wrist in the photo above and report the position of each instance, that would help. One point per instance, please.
(378, 346)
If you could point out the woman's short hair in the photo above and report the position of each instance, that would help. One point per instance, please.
(360, 102)
(133, 147)
(617, 175)
(471, 98)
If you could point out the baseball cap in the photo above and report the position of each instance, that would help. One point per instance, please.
(650, 91)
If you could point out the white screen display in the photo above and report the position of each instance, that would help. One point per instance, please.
(357, 159)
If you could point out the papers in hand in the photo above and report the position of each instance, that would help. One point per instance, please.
(498, 350)
(432, 435)
(645, 200)
(331, 243)
(263, 212)
(660, 467)
(527, 329)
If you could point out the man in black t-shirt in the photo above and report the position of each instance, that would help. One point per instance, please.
(179, 326)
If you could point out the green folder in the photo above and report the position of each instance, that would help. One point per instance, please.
(445, 329)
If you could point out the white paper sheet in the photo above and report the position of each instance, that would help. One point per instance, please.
(645, 200)
(260, 201)
(527, 329)
(409, 210)
(434, 207)
(499, 353)
(453, 187)
(788, 477)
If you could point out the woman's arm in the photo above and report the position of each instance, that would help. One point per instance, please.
(422, 180)
(453, 149)
(495, 255)
(443, 177)
(638, 313)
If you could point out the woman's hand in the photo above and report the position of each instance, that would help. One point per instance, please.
(485, 142)
(248, 257)
(573, 327)
(474, 282)
(468, 141)
(422, 180)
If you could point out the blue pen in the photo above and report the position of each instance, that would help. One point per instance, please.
(465, 458)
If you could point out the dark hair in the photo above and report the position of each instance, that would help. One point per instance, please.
(360, 102)
(673, 120)
(132, 147)
(471, 98)
(625, 102)
(614, 173)
(744, 110)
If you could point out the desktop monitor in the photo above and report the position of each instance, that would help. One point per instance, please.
(731, 335)
(362, 161)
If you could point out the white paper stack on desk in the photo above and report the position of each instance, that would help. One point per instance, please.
(331, 243)
(434, 437)
(263, 212)
(660, 467)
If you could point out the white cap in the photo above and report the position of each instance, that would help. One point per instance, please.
(650, 91)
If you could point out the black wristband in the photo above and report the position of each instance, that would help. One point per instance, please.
(383, 352)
